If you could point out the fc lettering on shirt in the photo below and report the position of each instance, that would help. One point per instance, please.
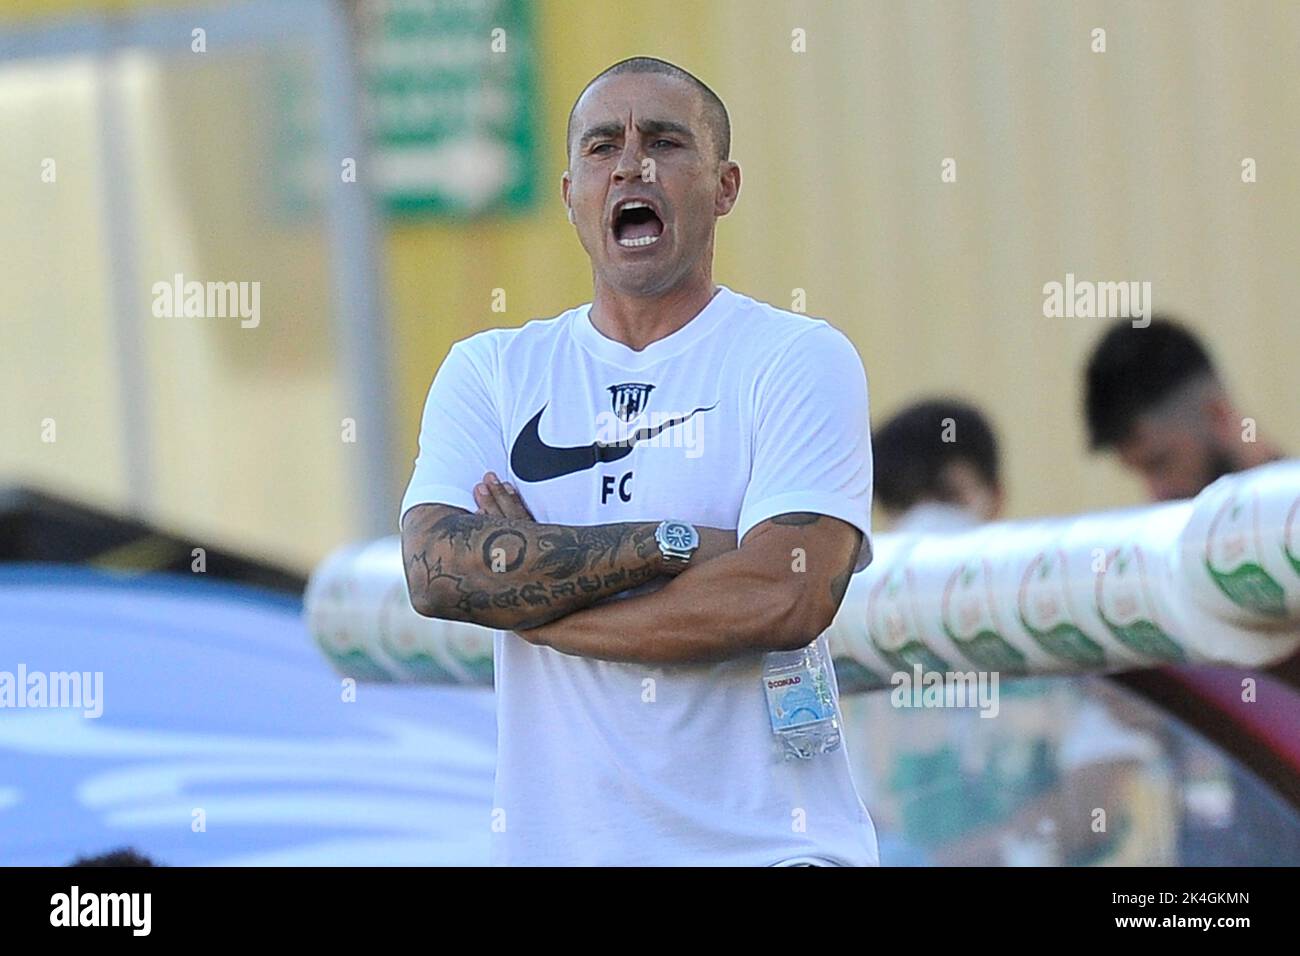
(607, 487)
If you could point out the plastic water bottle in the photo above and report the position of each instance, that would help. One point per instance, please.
(801, 702)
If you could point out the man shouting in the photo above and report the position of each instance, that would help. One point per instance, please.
(646, 496)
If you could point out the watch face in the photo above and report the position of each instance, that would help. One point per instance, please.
(680, 536)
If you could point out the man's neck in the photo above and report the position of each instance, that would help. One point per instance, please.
(639, 321)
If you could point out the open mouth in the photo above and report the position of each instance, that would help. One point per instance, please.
(636, 224)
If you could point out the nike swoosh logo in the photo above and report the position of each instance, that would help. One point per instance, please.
(531, 459)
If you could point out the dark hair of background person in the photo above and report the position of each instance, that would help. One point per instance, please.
(715, 113)
(1134, 370)
(126, 856)
(910, 454)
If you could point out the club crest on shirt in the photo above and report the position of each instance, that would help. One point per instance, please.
(629, 399)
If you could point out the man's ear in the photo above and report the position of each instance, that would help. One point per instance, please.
(565, 183)
(728, 187)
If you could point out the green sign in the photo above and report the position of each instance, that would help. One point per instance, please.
(449, 96)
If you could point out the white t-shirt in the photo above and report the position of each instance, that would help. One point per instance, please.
(763, 412)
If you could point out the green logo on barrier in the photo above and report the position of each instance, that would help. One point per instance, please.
(400, 640)
(413, 659)
(989, 650)
(892, 628)
(1147, 638)
(1251, 587)
(1069, 643)
(1232, 559)
(968, 619)
(912, 654)
(358, 665)
(1125, 605)
(344, 648)
(1044, 611)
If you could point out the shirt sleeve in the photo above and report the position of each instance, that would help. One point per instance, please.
(460, 431)
(812, 437)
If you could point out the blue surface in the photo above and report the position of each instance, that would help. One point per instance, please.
(215, 698)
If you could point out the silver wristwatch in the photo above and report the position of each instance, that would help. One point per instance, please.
(678, 541)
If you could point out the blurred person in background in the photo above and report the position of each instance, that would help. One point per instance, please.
(1152, 394)
(964, 791)
(937, 468)
(1154, 397)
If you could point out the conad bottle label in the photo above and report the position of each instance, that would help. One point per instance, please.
(969, 620)
(1044, 608)
(1232, 558)
(1126, 606)
(793, 700)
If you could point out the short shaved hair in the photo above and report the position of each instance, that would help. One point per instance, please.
(715, 113)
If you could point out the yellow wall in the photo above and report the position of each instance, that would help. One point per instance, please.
(57, 376)
(40, 9)
(247, 448)
(1114, 166)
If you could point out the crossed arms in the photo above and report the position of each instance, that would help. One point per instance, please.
(499, 568)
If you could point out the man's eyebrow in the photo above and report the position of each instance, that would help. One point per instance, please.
(600, 131)
(666, 126)
(651, 126)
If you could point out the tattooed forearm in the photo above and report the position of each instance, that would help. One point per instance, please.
(566, 551)
(499, 545)
(457, 528)
(466, 602)
(503, 572)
